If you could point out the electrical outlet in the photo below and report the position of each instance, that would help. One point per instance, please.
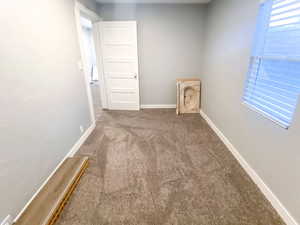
(7, 221)
(81, 129)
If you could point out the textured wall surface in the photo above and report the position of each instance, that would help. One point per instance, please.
(170, 45)
(43, 97)
(272, 151)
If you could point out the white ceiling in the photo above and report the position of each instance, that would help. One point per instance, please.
(155, 1)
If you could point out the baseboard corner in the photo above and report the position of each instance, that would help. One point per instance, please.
(158, 106)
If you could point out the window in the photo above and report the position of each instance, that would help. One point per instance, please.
(273, 83)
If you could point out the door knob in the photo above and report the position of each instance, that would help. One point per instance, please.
(135, 76)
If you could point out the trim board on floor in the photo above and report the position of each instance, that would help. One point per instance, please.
(71, 153)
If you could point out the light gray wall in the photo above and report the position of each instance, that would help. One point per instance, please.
(272, 151)
(170, 45)
(42, 95)
(90, 4)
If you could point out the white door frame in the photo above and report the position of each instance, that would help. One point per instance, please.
(98, 48)
(81, 9)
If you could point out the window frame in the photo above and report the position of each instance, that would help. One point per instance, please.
(261, 57)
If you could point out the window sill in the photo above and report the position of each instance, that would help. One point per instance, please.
(267, 116)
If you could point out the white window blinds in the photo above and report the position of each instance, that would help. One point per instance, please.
(273, 83)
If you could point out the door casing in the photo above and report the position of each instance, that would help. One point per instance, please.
(79, 10)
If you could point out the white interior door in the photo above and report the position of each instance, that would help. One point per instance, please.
(120, 64)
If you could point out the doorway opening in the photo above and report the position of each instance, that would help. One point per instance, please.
(110, 62)
(91, 61)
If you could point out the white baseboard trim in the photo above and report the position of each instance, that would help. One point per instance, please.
(166, 106)
(7, 221)
(81, 140)
(71, 153)
(279, 207)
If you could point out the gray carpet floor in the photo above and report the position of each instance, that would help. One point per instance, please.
(156, 168)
